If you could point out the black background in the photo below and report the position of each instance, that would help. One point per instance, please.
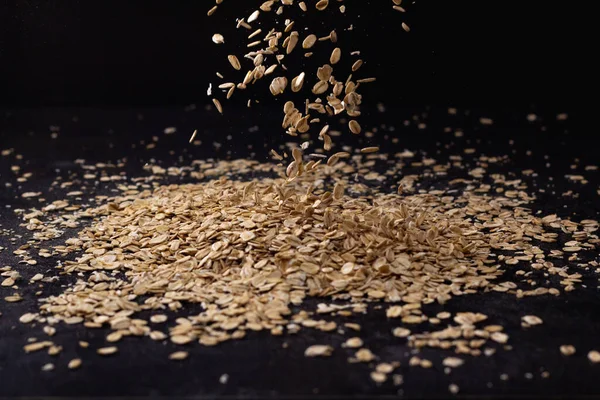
(158, 52)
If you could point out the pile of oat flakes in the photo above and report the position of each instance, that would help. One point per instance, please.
(250, 249)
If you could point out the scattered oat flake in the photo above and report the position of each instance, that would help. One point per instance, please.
(567, 350)
(367, 150)
(178, 355)
(54, 350)
(401, 332)
(218, 38)
(158, 318)
(499, 337)
(364, 355)
(8, 282)
(531, 320)
(384, 368)
(378, 377)
(354, 342)
(36, 346)
(594, 356)
(393, 311)
(318, 350)
(453, 362)
(47, 367)
(105, 351)
(193, 135)
(453, 388)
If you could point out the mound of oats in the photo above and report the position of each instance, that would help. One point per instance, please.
(249, 242)
(249, 250)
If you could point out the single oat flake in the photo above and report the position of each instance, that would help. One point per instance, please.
(318, 350)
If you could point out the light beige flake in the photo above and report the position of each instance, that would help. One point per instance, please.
(27, 318)
(309, 41)
(217, 104)
(320, 87)
(297, 82)
(499, 337)
(367, 150)
(567, 350)
(393, 312)
(106, 351)
(157, 335)
(378, 377)
(336, 55)
(318, 350)
(347, 268)
(47, 367)
(384, 368)
(453, 362)
(322, 5)
(8, 282)
(376, 294)
(356, 66)
(235, 63)
(49, 330)
(73, 320)
(54, 350)
(401, 332)
(13, 299)
(193, 136)
(254, 16)
(158, 318)
(293, 41)
(364, 355)
(353, 343)
(338, 191)
(531, 320)
(278, 85)
(74, 363)
(178, 355)
(114, 337)
(36, 346)
(218, 38)
(181, 339)
(354, 127)
(594, 356)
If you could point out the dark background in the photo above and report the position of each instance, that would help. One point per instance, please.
(158, 52)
